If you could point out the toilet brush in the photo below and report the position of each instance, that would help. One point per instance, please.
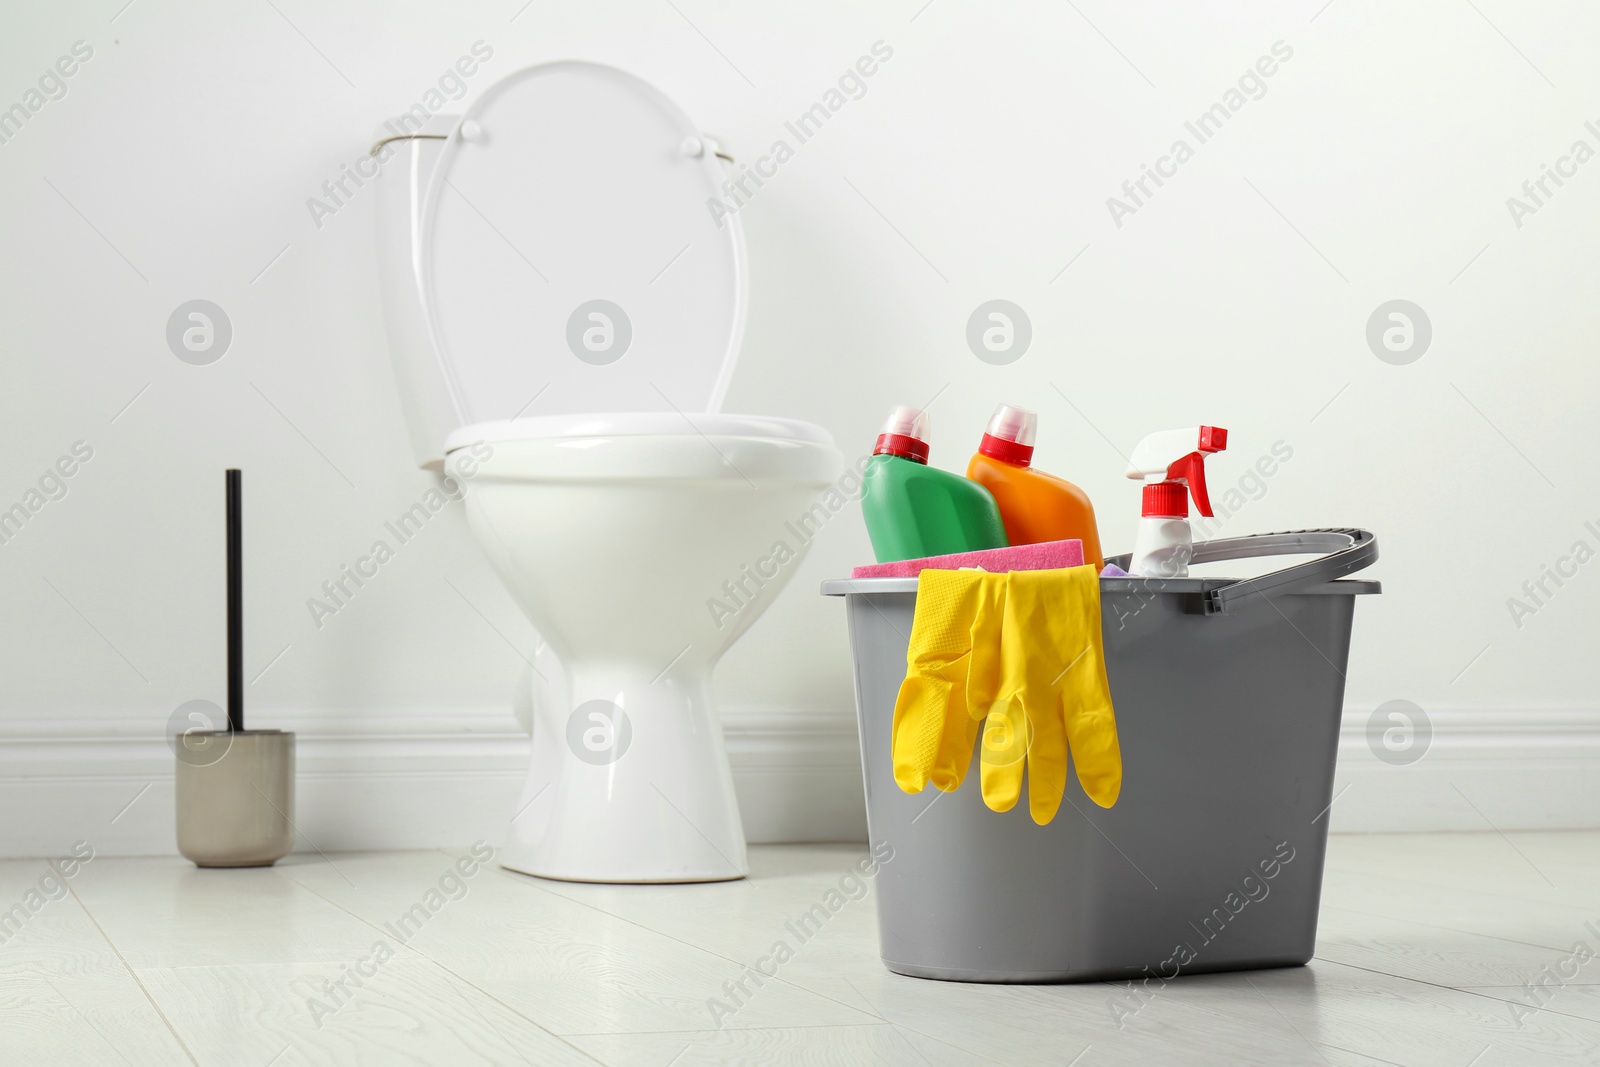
(235, 787)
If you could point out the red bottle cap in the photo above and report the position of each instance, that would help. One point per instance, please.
(1165, 500)
(905, 434)
(894, 444)
(1009, 437)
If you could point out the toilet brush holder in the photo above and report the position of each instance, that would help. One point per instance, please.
(235, 792)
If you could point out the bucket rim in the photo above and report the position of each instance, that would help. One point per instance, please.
(1340, 587)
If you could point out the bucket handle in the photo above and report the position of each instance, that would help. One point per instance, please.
(1348, 551)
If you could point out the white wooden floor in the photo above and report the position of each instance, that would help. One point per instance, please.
(1426, 942)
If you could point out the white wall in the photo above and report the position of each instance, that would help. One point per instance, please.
(1377, 165)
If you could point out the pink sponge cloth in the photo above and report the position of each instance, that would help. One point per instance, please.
(1044, 556)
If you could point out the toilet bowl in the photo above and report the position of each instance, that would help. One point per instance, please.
(563, 316)
(617, 536)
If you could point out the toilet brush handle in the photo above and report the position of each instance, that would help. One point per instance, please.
(235, 607)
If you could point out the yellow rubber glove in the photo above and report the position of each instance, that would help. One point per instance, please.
(952, 671)
(1052, 696)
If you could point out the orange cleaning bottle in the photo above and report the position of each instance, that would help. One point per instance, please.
(1034, 506)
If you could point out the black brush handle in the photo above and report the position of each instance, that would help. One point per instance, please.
(235, 607)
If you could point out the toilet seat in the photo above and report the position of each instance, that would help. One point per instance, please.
(637, 424)
(645, 446)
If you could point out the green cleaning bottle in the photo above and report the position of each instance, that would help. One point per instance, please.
(914, 510)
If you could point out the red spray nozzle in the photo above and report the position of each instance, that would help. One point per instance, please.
(1192, 469)
(1212, 439)
(1150, 461)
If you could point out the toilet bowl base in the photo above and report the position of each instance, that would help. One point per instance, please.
(629, 783)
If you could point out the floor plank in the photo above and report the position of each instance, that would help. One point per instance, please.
(1457, 907)
(100, 1018)
(165, 912)
(1577, 1000)
(879, 1044)
(576, 968)
(65, 992)
(408, 1012)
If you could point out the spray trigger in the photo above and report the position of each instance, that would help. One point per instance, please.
(1191, 469)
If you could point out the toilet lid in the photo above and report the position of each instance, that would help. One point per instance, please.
(572, 263)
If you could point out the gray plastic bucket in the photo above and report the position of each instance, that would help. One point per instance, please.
(1228, 697)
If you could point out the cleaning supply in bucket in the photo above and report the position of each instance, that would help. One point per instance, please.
(914, 510)
(1172, 465)
(1035, 506)
(1047, 555)
(1022, 654)
(952, 677)
(1054, 696)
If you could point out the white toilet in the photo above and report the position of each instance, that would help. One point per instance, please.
(564, 313)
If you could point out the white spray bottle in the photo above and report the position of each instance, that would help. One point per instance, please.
(1172, 465)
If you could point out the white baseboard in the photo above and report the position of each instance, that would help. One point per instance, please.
(427, 780)
(1484, 769)
(400, 781)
